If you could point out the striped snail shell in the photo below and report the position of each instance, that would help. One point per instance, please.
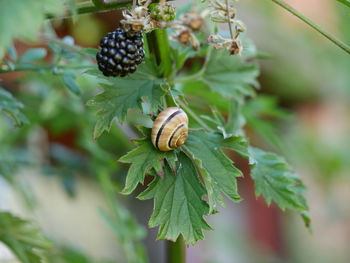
(170, 129)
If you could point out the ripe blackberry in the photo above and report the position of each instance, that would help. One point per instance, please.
(121, 51)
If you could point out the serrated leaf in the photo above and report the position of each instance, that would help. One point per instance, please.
(230, 77)
(32, 55)
(217, 170)
(23, 19)
(23, 238)
(142, 159)
(178, 204)
(127, 93)
(234, 123)
(12, 107)
(276, 182)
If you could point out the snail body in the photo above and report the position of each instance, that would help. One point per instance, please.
(170, 129)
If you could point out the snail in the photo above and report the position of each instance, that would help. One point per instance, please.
(170, 129)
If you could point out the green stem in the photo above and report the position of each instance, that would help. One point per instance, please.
(229, 19)
(41, 68)
(158, 45)
(196, 76)
(176, 251)
(312, 24)
(87, 8)
(195, 117)
(73, 48)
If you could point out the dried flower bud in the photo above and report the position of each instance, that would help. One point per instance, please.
(236, 47)
(137, 19)
(193, 20)
(185, 37)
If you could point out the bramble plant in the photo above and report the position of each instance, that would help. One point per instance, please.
(197, 59)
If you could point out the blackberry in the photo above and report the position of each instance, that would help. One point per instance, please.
(120, 53)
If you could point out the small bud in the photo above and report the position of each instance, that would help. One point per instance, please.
(184, 36)
(196, 23)
(235, 48)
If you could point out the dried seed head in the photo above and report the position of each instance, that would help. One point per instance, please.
(185, 36)
(136, 19)
(236, 47)
(193, 20)
(219, 12)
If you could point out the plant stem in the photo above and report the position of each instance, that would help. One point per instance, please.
(44, 67)
(195, 117)
(195, 76)
(158, 45)
(87, 8)
(176, 251)
(229, 19)
(312, 24)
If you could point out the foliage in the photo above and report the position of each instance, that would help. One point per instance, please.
(188, 183)
(12, 107)
(30, 15)
(144, 158)
(228, 77)
(178, 205)
(121, 95)
(275, 181)
(345, 2)
(25, 239)
(217, 170)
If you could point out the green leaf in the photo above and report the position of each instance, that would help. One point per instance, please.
(178, 204)
(90, 51)
(217, 170)
(127, 93)
(12, 107)
(230, 77)
(69, 81)
(23, 238)
(345, 2)
(33, 54)
(276, 182)
(234, 123)
(143, 159)
(262, 115)
(23, 19)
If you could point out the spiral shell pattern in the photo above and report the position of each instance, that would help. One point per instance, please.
(170, 129)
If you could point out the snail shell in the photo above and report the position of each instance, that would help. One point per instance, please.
(170, 129)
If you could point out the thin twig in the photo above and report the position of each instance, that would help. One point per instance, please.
(73, 48)
(44, 68)
(195, 117)
(229, 19)
(312, 24)
(88, 8)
